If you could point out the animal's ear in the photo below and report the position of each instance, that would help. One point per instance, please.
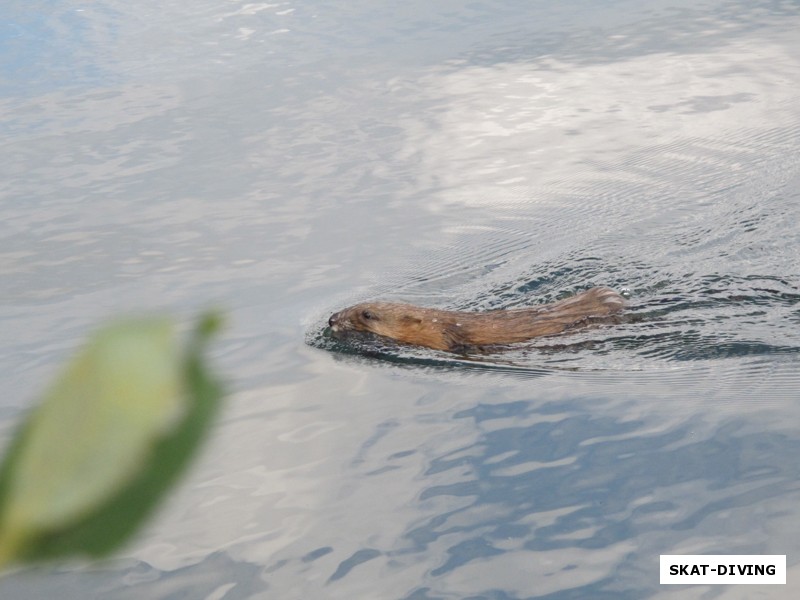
(411, 320)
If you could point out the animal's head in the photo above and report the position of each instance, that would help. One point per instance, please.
(400, 322)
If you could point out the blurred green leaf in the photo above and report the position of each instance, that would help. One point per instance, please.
(106, 442)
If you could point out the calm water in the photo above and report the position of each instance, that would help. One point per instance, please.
(285, 160)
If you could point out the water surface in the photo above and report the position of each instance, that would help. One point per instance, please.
(287, 160)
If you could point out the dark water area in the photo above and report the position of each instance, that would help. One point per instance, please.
(284, 161)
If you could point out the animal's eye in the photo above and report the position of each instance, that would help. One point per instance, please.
(367, 315)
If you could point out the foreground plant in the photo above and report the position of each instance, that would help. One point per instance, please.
(107, 440)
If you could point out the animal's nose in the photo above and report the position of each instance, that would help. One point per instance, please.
(333, 319)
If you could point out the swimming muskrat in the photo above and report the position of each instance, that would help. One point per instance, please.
(457, 331)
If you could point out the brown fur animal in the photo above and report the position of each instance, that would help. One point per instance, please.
(457, 331)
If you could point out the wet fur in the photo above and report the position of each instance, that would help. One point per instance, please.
(456, 331)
